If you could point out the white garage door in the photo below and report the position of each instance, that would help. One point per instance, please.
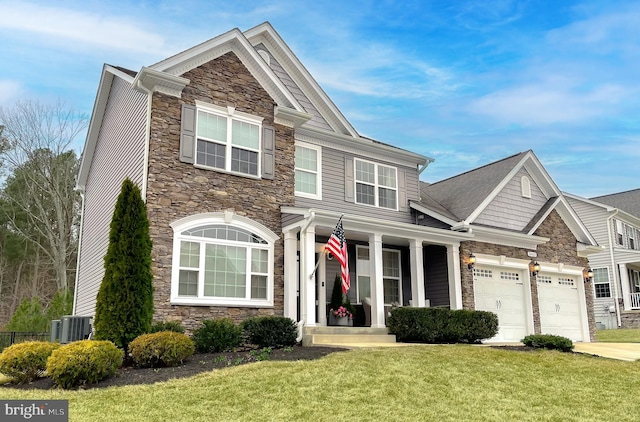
(559, 303)
(501, 291)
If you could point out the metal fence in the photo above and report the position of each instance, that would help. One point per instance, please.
(10, 337)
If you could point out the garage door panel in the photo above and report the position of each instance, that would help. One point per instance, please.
(559, 302)
(501, 292)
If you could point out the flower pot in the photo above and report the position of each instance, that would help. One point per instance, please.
(344, 321)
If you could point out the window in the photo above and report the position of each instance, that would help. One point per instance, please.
(228, 140)
(619, 232)
(222, 259)
(601, 282)
(391, 276)
(308, 175)
(376, 185)
(525, 185)
(631, 235)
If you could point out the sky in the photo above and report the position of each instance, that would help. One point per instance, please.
(464, 82)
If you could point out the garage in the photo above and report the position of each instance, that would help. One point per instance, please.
(502, 291)
(559, 302)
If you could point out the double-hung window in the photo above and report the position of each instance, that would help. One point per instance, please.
(376, 184)
(216, 262)
(228, 140)
(631, 236)
(308, 171)
(391, 276)
(601, 282)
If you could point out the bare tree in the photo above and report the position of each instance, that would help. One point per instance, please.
(40, 203)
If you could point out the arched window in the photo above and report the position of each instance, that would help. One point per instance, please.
(526, 187)
(222, 259)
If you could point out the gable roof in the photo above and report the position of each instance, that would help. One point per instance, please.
(460, 199)
(628, 201)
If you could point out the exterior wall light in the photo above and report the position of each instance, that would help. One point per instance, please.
(534, 267)
(471, 261)
(588, 275)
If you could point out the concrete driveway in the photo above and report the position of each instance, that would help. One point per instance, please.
(620, 351)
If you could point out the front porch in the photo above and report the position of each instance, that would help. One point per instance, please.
(389, 263)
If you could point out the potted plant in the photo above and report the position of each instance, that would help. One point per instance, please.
(341, 310)
(342, 315)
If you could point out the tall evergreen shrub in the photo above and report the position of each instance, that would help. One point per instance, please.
(124, 307)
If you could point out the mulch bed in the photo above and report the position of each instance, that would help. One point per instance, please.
(196, 364)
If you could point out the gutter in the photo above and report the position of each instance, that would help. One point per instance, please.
(614, 268)
(75, 286)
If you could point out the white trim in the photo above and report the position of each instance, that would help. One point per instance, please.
(375, 184)
(594, 282)
(398, 253)
(75, 288)
(224, 219)
(318, 172)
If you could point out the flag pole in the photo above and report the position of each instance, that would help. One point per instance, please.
(324, 252)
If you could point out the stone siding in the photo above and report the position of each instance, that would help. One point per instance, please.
(630, 319)
(561, 248)
(176, 189)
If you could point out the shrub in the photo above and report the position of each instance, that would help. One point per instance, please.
(271, 331)
(28, 317)
(24, 362)
(174, 326)
(548, 341)
(217, 335)
(84, 362)
(439, 325)
(164, 348)
(124, 305)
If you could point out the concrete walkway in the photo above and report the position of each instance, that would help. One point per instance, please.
(620, 351)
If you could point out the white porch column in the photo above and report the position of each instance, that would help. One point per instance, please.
(290, 275)
(626, 289)
(377, 287)
(417, 273)
(322, 288)
(455, 280)
(308, 258)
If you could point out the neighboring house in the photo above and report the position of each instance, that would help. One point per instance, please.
(614, 220)
(246, 166)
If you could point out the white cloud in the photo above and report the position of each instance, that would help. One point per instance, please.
(84, 28)
(9, 91)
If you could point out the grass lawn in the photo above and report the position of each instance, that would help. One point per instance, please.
(621, 335)
(456, 382)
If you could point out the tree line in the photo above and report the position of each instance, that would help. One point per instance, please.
(39, 213)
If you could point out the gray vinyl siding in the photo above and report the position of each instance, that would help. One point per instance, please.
(594, 217)
(119, 154)
(317, 121)
(510, 202)
(436, 276)
(333, 189)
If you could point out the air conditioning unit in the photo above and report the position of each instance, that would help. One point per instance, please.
(56, 330)
(75, 328)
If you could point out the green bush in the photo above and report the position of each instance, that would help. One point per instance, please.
(271, 331)
(439, 325)
(124, 304)
(28, 317)
(548, 341)
(84, 362)
(164, 348)
(26, 361)
(217, 335)
(174, 326)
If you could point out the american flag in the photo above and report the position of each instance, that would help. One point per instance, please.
(337, 245)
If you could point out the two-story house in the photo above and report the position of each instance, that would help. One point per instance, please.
(246, 165)
(614, 220)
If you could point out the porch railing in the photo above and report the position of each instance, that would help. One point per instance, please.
(10, 337)
(635, 300)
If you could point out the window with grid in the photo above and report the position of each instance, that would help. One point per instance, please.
(363, 273)
(219, 262)
(631, 235)
(601, 282)
(391, 277)
(228, 141)
(307, 171)
(376, 185)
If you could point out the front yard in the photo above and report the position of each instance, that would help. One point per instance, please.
(448, 382)
(621, 335)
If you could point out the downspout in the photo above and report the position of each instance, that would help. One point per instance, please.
(614, 268)
(147, 140)
(75, 286)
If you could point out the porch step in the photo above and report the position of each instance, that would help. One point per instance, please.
(345, 336)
